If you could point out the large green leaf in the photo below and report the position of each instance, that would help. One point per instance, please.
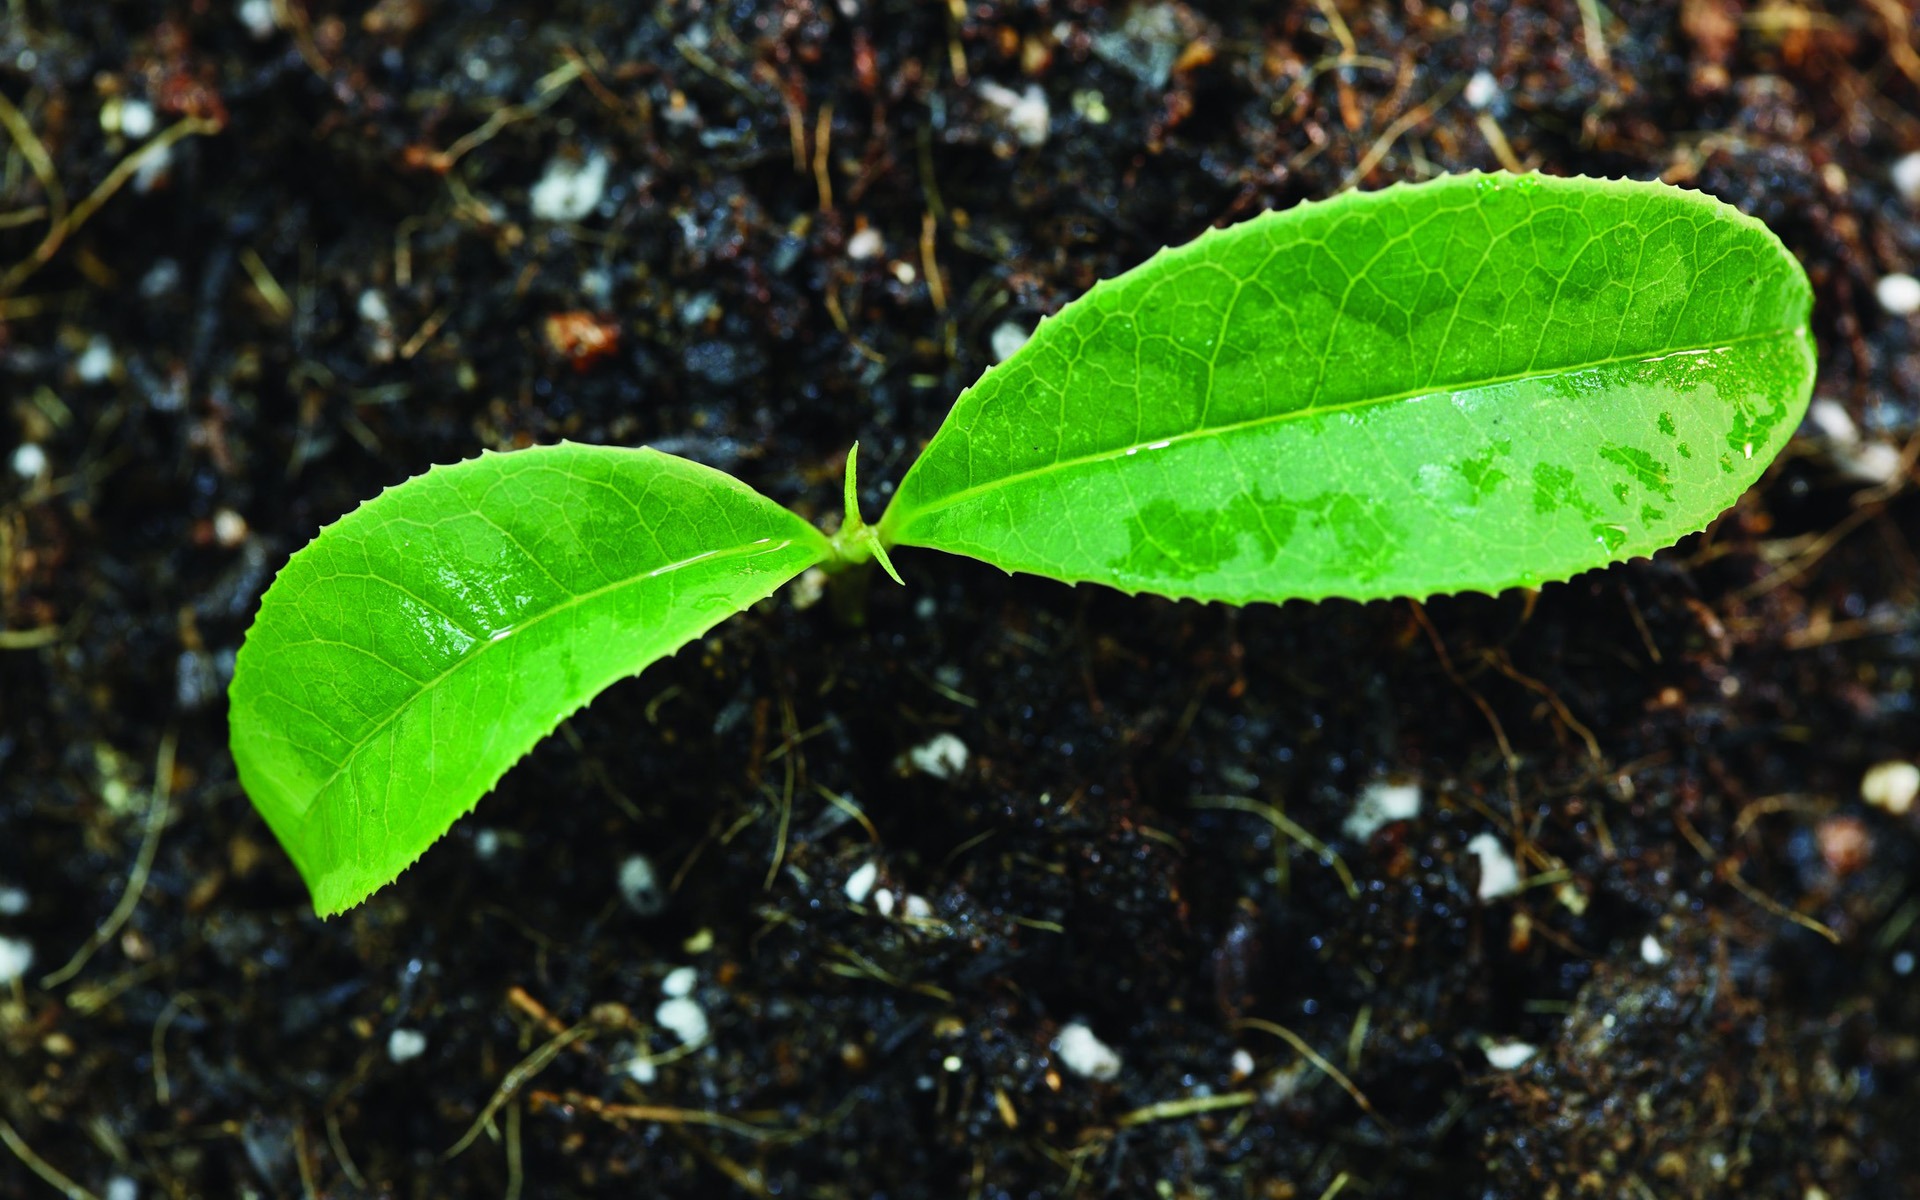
(1469, 384)
(421, 645)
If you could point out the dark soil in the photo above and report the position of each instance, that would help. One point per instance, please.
(337, 280)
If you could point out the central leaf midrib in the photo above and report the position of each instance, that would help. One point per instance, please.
(481, 647)
(1067, 464)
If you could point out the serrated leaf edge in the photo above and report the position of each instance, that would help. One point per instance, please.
(329, 902)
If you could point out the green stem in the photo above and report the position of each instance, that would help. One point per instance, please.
(857, 542)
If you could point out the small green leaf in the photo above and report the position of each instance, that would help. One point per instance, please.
(421, 645)
(1469, 384)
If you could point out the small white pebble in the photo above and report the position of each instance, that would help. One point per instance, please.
(808, 590)
(1242, 1064)
(1868, 462)
(860, 883)
(1483, 89)
(679, 982)
(942, 756)
(1007, 338)
(1508, 1056)
(640, 886)
(121, 1187)
(1891, 786)
(1833, 420)
(1498, 874)
(13, 901)
(1381, 804)
(29, 461)
(1026, 114)
(162, 279)
(683, 1019)
(1906, 177)
(96, 362)
(136, 119)
(865, 244)
(916, 908)
(883, 902)
(15, 957)
(904, 272)
(257, 16)
(642, 1071)
(1084, 1054)
(1898, 294)
(405, 1045)
(570, 190)
(229, 528)
(372, 307)
(1652, 952)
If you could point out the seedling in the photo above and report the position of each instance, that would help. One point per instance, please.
(1471, 384)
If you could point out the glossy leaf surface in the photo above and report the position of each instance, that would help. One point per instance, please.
(1467, 384)
(421, 645)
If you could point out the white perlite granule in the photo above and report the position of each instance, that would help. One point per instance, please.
(1084, 1054)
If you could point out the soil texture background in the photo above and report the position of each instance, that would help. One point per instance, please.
(262, 258)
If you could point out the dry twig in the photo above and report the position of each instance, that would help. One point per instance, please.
(158, 809)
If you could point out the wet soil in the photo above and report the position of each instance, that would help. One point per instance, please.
(814, 221)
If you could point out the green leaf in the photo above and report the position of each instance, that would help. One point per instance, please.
(1468, 384)
(421, 645)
